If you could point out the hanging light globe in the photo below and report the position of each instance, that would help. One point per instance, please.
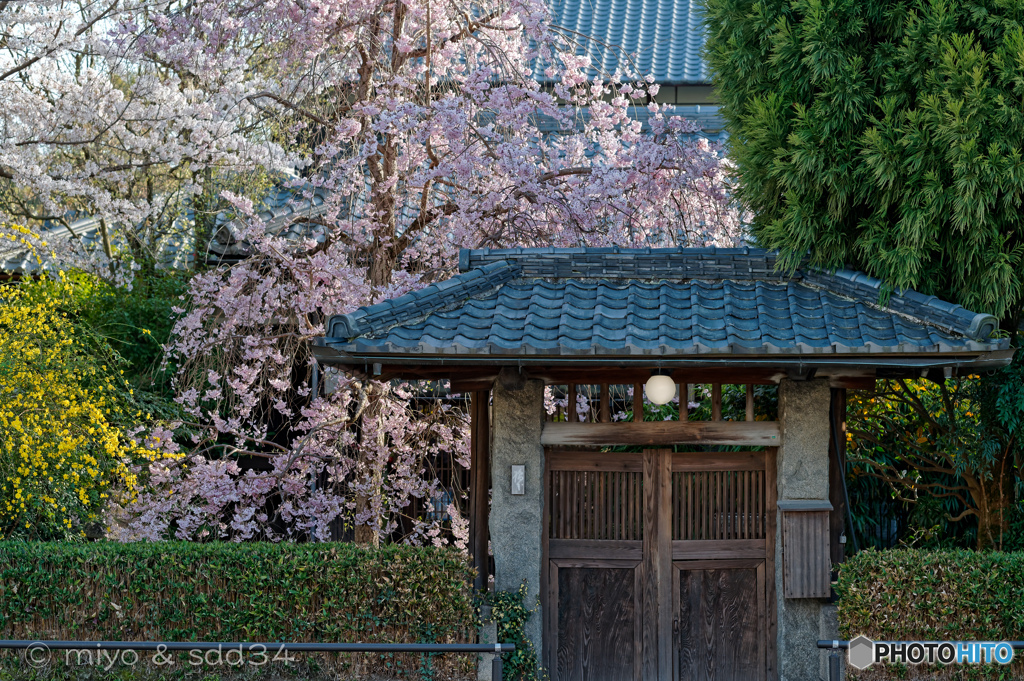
(660, 388)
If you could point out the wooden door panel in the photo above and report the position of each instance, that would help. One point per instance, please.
(716, 505)
(597, 624)
(656, 566)
(721, 612)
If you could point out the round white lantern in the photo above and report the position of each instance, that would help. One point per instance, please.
(660, 389)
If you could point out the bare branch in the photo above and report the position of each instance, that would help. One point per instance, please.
(294, 107)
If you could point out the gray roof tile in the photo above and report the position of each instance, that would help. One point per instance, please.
(685, 302)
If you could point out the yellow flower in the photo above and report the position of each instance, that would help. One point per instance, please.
(62, 454)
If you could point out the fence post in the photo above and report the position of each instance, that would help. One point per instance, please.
(834, 671)
(496, 670)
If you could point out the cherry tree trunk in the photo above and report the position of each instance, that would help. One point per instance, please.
(369, 464)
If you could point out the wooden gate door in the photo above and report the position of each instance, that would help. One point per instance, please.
(660, 566)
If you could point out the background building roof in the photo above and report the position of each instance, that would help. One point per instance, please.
(686, 305)
(663, 38)
(292, 213)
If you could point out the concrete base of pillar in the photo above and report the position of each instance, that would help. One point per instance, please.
(488, 634)
(830, 632)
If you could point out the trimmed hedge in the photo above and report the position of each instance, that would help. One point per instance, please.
(934, 595)
(243, 592)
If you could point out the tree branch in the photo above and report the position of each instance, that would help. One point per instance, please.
(294, 107)
(24, 65)
(469, 30)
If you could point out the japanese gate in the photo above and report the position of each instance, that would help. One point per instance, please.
(657, 563)
(682, 549)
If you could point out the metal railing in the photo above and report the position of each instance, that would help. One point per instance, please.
(494, 649)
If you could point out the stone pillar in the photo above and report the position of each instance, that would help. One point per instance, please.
(830, 632)
(515, 522)
(802, 474)
(488, 634)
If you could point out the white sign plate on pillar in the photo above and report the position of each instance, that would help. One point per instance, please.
(519, 479)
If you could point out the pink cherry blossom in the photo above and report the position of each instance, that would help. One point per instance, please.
(427, 126)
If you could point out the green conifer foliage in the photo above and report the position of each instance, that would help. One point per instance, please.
(883, 134)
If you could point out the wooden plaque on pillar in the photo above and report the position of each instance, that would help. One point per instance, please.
(806, 560)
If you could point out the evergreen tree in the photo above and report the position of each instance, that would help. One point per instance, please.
(887, 135)
(883, 134)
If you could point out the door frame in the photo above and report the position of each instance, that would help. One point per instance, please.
(656, 654)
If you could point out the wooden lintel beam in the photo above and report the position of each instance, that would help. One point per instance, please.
(753, 434)
(627, 376)
(478, 378)
(852, 382)
(466, 385)
(468, 377)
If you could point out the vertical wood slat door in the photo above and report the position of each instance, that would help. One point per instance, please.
(595, 519)
(657, 566)
(722, 620)
(723, 571)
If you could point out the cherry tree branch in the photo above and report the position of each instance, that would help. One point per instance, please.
(82, 29)
(291, 105)
(470, 28)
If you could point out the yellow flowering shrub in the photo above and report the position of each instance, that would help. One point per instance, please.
(65, 416)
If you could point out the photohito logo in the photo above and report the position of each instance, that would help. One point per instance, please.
(864, 652)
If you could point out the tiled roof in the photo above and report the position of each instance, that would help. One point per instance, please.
(661, 38)
(285, 212)
(17, 259)
(655, 303)
(707, 116)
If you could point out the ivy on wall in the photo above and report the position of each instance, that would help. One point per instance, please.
(510, 614)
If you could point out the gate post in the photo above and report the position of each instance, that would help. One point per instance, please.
(803, 467)
(516, 519)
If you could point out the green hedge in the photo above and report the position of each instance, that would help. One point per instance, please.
(934, 595)
(243, 592)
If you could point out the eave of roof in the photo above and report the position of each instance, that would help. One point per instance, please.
(961, 363)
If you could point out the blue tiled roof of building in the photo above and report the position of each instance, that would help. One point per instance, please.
(654, 303)
(285, 211)
(288, 212)
(662, 38)
(707, 116)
